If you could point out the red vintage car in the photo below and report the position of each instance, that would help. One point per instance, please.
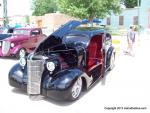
(22, 41)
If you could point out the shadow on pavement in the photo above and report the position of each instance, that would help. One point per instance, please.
(40, 97)
(59, 102)
(19, 91)
(9, 58)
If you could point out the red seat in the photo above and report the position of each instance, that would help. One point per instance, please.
(94, 52)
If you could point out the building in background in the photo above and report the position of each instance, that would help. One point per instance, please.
(131, 16)
(51, 20)
(144, 13)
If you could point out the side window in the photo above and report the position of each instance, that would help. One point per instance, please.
(35, 32)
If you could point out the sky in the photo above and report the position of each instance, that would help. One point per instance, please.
(17, 7)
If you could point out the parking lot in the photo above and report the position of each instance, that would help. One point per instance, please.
(127, 85)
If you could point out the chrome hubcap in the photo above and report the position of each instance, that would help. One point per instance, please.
(77, 87)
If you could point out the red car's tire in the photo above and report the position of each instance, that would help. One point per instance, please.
(22, 50)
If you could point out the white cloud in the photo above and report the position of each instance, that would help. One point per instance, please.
(17, 7)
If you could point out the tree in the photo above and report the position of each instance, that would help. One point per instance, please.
(41, 7)
(130, 3)
(89, 8)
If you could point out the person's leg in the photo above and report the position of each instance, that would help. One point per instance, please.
(132, 49)
(128, 46)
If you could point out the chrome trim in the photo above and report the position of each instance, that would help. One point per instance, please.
(89, 79)
(5, 47)
(34, 70)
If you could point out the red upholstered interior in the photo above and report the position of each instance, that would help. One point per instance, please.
(94, 51)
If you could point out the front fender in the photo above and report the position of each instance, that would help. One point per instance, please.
(15, 49)
(62, 80)
(13, 69)
(18, 74)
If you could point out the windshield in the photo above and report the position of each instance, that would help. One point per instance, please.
(4, 30)
(71, 38)
(21, 32)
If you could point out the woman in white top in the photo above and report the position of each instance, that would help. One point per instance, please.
(131, 40)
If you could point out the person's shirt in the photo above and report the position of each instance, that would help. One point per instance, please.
(131, 35)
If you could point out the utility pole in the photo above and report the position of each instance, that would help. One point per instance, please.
(138, 5)
(5, 21)
(139, 27)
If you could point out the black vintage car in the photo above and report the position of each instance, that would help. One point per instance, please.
(70, 60)
(6, 32)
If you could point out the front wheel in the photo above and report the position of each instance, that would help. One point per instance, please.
(76, 89)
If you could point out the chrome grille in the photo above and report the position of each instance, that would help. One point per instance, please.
(5, 47)
(34, 69)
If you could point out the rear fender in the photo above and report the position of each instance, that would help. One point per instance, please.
(109, 53)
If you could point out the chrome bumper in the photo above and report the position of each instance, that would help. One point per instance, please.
(5, 47)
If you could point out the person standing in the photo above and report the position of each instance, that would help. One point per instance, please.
(131, 40)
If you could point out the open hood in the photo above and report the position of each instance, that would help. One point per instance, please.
(56, 37)
(66, 28)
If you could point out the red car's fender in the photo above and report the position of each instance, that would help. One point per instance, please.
(15, 49)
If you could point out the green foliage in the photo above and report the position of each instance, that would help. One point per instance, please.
(130, 3)
(41, 7)
(89, 8)
(138, 27)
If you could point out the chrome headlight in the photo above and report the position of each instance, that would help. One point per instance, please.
(50, 66)
(22, 62)
(12, 45)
